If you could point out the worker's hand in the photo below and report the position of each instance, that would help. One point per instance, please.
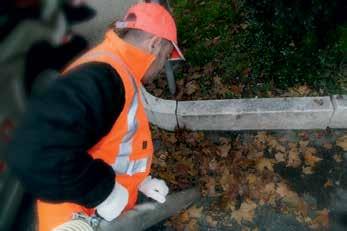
(114, 204)
(155, 189)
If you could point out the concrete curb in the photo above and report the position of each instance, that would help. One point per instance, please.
(248, 114)
(256, 114)
(339, 118)
(160, 112)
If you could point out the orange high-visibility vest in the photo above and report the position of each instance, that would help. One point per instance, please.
(128, 146)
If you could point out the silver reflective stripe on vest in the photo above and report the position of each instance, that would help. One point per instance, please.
(122, 164)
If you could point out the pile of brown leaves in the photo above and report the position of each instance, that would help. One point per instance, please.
(204, 84)
(240, 173)
(198, 84)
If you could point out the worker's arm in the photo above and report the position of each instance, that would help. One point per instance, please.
(49, 150)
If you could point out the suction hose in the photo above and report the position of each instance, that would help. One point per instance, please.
(74, 225)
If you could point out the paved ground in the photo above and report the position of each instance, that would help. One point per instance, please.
(325, 189)
(108, 11)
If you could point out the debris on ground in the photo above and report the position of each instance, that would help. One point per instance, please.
(239, 174)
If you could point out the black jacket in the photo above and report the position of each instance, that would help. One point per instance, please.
(49, 149)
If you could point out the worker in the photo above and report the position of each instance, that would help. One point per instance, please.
(85, 145)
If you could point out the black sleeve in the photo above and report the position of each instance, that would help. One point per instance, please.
(49, 149)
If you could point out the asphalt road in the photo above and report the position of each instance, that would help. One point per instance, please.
(107, 12)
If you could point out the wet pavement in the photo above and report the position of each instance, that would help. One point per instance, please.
(322, 192)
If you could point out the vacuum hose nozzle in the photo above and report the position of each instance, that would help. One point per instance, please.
(74, 225)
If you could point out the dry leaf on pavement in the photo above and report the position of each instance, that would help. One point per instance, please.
(269, 188)
(226, 180)
(342, 142)
(184, 217)
(195, 212)
(211, 222)
(192, 225)
(246, 212)
(303, 144)
(289, 197)
(338, 158)
(251, 178)
(293, 158)
(280, 157)
(328, 184)
(321, 220)
(273, 143)
(310, 159)
(223, 150)
(211, 186)
(328, 146)
(307, 170)
(265, 163)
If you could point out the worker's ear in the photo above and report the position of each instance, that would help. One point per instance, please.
(154, 45)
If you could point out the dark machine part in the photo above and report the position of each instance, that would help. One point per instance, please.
(146, 215)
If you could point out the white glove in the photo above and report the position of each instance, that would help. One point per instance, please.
(114, 204)
(155, 189)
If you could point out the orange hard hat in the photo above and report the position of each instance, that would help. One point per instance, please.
(154, 19)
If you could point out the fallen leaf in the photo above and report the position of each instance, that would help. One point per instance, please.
(184, 217)
(169, 137)
(302, 90)
(191, 87)
(224, 140)
(265, 163)
(193, 225)
(303, 209)
(211, 222)
(289, 197)
(213, 165)
(246, 212)
(293, 158)
(211, 187)
(311, 150)
(226, 180)
(261, 136)
(273, 143)
(251, 178)
(342, 142)
(303, 143)
(158, 92)
(280, 157)
(180, 82)
(328, 146)
(338, 158)
(269, 188)
(321, 220)
(328, 184)
(307, 170)
(195, 212)
(310, 159)
(237, 90)
(162, 83)
(219, 87)
(223, 150)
